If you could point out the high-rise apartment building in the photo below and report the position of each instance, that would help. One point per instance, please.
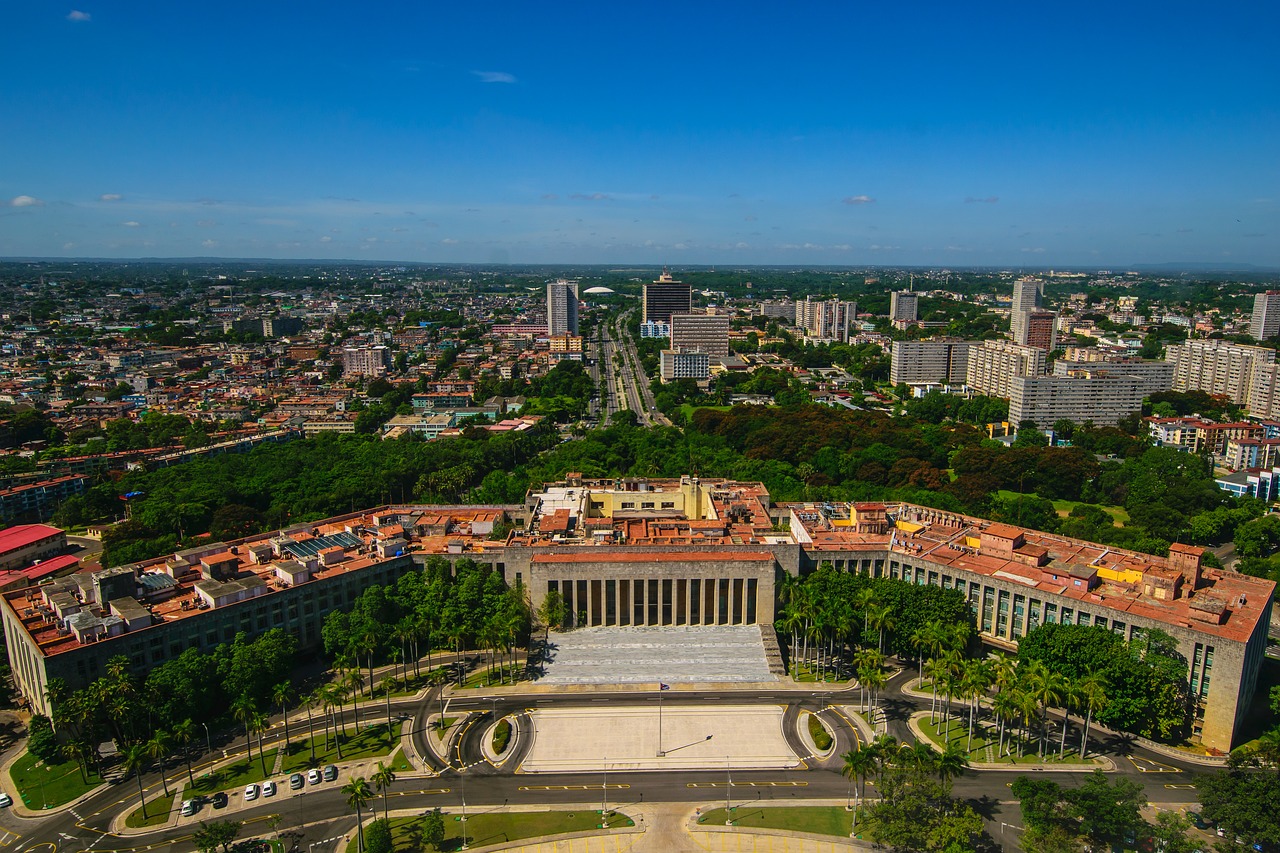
(1040, 330)
(665, 297)
(706, 333)
(1027, 296)
(1099, 397)
(1217, 367)
(904, 307)
(562, 307)
(781, 309)
(1156, 375)
(993, 365)
(365, 361)
(829, 319)
(674, 365)
(936, 362)
(1265, 323)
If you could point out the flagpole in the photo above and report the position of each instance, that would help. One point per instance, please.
(661, 752)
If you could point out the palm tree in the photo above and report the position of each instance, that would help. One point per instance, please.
(883, 748)
(1005, 706)
(1093, 695)
(1070, 699)
(976, 680)
(382, 779)
(937, 670)
(311, 700)
(864, 599)
(243, 710)
(259, 726)
(358, 796)
(183, 734)
(159, 748)
(1047, 687)
(951, 762)
(791, 622)
(857, 764)
(354, 683)
(135, 758)
(281, 695)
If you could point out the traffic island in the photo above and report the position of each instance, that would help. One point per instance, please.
(489, 829)
(1019, 752)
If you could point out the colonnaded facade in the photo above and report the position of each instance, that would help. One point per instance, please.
(651, 552)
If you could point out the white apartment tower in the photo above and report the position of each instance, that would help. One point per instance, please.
(904, 307)
(1265, 323)
(1028, 296)
(994, 365)
(562, 307)
(828, 319)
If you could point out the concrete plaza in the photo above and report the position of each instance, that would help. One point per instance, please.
(675, 655)
(626, 738)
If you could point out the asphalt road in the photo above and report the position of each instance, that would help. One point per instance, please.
(321, 814)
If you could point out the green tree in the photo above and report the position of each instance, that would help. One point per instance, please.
(210, 836)
(433, 828)
(378, 837)
(358, 795)
(382, 779)
(1242, 801)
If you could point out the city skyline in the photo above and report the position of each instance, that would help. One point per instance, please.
(713, 135)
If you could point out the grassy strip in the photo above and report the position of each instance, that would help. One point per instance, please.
(823, 820)
(232, 776)
(401, 764)
(157, 813)
(818, 731)
(494, 828)
(501, 736)
(368, 742)
(958, 729)
(46, 786)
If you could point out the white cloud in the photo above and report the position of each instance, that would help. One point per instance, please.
(859, 199)
(209, 244)
(495, 76)
(326, 239)
(591, 196)
(449, 241)
(79, 17)
(131, 224)
(110, 197)
(26, 201)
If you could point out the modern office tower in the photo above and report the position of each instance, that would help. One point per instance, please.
(1040, 330)
(904, 307)
(365, 361)
(937, 362)
(665, 297)
(674, 365)
(993, 365)
(1027, 296)
(828, 319)
(707, 333)
(781, 309)
(562, 307)
(1099, 397)
(1218, 367)
(1265, 322)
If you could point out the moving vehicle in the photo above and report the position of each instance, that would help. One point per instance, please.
(5, 800)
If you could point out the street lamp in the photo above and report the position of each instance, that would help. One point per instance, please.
(463, 777)
(207, 738)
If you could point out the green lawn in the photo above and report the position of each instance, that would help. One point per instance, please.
(818, 731)
(805, 673)
(495, 828)
(399, 763)
(157, 813)
(1063, 508)
(824, 820)
(489, 677)
(687, 410)
(237, 775)
(958, 728)
(371, 740)
(46, 786)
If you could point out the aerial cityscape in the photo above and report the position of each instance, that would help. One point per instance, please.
(679, 429)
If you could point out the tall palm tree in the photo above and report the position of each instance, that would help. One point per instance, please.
(976, 678)
(864, 599)
(951, 762)
(259, 725)
(159, 747)
(135, 758)
(358, 796)
(883, 748)
(382, 779)
(791, 622)
(281, 695)
(243, 710)
(1047, 687)
(937, 670)
(1005, 706)
(1093, 696)
(354, 683)
(881, 617)
(183, 734)
(857, 764)
(311, 700)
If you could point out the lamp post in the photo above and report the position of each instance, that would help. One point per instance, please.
(604, 796)
(463, 777)
(728, 792)
(208, 740)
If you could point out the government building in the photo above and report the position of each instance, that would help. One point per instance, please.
(650, 552)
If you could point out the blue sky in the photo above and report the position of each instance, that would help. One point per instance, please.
(939, 134)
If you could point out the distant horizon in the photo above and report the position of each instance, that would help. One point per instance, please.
(620, 266)
(847, 135)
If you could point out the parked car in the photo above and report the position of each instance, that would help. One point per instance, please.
(331, 773)
(268, 788)
(220, 800)
(250, 792)
(189, 807)
(5, 800)
(296, 781)
(313, 776)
